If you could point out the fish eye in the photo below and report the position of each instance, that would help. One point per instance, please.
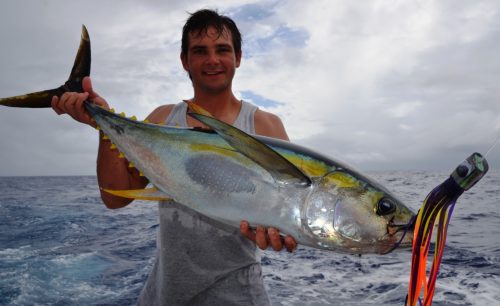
(385, 207)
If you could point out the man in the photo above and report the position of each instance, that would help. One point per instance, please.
(199, 261)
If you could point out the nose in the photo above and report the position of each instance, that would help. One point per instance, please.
(212, 57)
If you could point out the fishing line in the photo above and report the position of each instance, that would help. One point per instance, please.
(491, 148)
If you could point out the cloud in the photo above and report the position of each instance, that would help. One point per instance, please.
(379, 84)
(259, 100)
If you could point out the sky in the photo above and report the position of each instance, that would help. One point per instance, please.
(380, 85)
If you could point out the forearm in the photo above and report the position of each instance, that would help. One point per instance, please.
(114, 173)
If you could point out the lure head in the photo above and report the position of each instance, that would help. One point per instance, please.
(470, 171)
(348, 212)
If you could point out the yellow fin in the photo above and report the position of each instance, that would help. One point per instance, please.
(195, 108)
(148, 194)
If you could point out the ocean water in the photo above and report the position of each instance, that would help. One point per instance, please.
(59, 245)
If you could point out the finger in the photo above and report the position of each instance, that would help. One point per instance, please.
(61, 103)
(246, 231)
(290, 244)
(261, 238)
(87, 87)
(54, 105)
(275, 239)
(80, 107)
(70, 105)
(93, 96)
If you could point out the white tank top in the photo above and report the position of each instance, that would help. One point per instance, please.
(201, 261)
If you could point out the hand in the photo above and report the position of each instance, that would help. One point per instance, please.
(263, 238)
(71, 103)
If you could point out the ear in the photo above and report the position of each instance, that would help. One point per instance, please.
(238, 58)
(184, 61)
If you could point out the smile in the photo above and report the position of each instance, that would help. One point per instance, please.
(213, 72)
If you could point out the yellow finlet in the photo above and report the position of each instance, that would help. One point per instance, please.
(121, 155)
(141, 174)
(112, 146)
(148, 194)
(131, 165)
(105, 137)
(112, 110)
(98, 128)
(122, 114)
(133, 118)
(195, 108)
(145, 121)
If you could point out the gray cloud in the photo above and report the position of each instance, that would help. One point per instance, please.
(384, 85)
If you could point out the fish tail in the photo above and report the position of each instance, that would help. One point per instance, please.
(81, 69)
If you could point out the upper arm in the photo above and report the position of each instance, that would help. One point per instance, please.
(270, 125)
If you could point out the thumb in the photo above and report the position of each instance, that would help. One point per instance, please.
(87, 87)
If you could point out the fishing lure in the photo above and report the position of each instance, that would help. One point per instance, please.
(438, 206)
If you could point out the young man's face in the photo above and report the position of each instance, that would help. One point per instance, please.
(211, 60)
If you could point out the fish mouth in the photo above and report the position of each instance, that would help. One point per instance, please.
(393, 228)
(405, 230)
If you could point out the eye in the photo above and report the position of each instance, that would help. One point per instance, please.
(198, 50)
(224, 49)
(385, 207)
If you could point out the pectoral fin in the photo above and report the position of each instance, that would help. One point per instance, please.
(148, 194)
(81, 69)
(279, 167)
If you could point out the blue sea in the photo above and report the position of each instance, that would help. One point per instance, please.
(59, 245)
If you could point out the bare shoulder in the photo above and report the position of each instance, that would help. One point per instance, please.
(160, 114)
(268, 124)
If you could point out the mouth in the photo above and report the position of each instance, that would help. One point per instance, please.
(393, 228)
(406, 230)
(213, 73)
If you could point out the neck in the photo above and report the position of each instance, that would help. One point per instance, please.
(223, 105)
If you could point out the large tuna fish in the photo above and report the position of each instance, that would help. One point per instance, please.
(229, 176)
